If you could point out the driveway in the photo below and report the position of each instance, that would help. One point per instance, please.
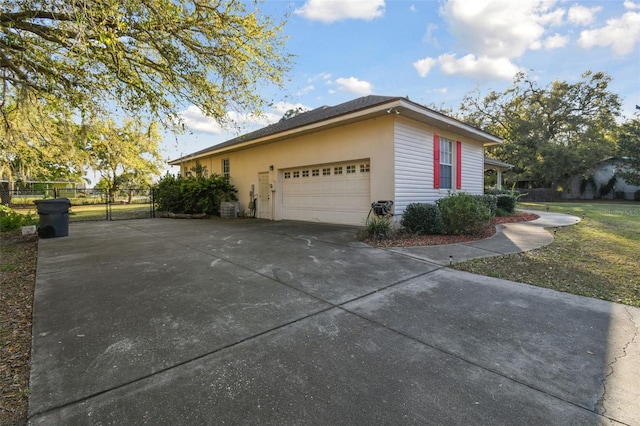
(171, 322)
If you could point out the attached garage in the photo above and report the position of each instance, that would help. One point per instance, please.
(329, 164)
(333, 193)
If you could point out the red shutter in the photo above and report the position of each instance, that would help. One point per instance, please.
(458, 165)
(436, 161)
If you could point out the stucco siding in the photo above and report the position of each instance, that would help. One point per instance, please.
(368, 141)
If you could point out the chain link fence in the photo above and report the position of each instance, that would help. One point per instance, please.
(87, 203)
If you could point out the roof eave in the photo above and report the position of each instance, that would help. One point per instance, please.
(402, 106)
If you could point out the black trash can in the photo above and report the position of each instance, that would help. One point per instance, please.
(54, 217)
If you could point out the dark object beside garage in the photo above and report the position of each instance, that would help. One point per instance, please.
(54, 217)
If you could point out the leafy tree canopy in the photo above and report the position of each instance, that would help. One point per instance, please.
(550, 133)
(40, 142)
(629, 144)
(124, 156)
(145, 55)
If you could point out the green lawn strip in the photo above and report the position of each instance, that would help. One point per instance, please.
(598, 257)
(99, 211)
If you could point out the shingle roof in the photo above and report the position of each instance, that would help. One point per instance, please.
(314, 116)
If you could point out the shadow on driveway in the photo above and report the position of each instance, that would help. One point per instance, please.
(165, 321)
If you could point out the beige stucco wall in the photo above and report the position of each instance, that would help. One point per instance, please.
(366, 140)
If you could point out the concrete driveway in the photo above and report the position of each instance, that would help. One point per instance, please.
(171, 322)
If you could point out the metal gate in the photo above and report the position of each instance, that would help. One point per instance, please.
(87, 203)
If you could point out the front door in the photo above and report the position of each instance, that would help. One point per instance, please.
(264, 196)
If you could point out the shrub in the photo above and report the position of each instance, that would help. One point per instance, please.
(378, 228)
(10, 220)
(490, 200)
(464, 214)
(506, 203)
(193, 194)
(422, 219)
(636, 195)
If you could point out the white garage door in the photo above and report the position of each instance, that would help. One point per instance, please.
(332, 193)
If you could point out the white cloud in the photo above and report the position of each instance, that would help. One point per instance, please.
(428, 36)
(555, 41)
(500, 28)
(479, 68)
(195, 120)
(321, 76)
(305, 90)
(621, 34)
(354, 86)
(424, 66)
(331, 10)
(582, 15)
(631, 5)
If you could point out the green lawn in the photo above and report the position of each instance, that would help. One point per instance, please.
(99, 211)
(599, 257)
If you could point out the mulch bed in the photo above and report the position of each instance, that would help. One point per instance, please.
(17, 280)
(405, 240)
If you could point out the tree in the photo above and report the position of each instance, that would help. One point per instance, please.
(123, 155)
(629, 144)
(145, 55)
(551, 133)
(39, 142)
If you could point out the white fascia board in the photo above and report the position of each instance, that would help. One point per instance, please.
(433, 116)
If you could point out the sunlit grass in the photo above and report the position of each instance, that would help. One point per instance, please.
(99, 211)
(599, 257)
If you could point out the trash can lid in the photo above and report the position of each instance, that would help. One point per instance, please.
(53, 201)
(55, 205)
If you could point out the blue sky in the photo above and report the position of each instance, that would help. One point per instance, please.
(435, 52)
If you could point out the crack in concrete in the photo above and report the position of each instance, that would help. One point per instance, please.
(600, 407)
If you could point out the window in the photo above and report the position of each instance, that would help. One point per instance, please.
(364, 168)
(305, 173)
(326, 171)
(337, 170)
(226, 167)
(315, 172)
(446, 163)
(287, 175)
(296, 174)
(351, 169)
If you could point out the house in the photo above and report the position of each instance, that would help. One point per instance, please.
(329, 164)
(596, 184)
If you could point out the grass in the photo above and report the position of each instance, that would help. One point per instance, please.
(599, 257)
(98, 211)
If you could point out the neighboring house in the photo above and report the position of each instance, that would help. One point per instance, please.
(599, 178)
(331, 163)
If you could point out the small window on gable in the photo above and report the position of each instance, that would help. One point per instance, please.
(287, 175)
(305, 173)
(296, 174)
(226, 168)
(315, 172)
(337, 170)
(351, 169)
(364, 168)
(326, 171)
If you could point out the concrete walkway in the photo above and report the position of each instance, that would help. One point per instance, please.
(183, 322)
(510, 238)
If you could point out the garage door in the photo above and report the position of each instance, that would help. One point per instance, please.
(332, 193)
